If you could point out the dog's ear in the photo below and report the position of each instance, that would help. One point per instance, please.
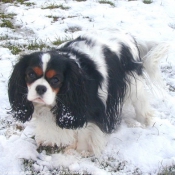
(71, 102)
(21, 108)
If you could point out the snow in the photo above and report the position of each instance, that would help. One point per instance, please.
(130, 150)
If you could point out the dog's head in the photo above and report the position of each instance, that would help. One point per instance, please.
(44, 77)
(51, 79)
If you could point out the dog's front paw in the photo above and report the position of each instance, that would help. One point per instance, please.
(132, 123)
(146, 118)
(70, 151)
(42, 142)
(86, 154)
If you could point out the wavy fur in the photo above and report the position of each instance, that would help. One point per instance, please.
(88, 80)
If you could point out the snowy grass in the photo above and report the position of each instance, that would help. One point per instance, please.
(59, 41)
(22, 2)
(168, 171)
(6, 20)
(17, 37)
(55, 6)
(107, 2)
(147, 1)
(18, 48)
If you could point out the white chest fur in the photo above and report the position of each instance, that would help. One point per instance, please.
(89, 138)
(47, 132)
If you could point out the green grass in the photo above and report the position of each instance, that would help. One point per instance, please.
(22, 2)
(10, 15)
(7, 23)
(80, 0)
(28, 167)
(168, 171)
(50, 150)
(7, 1)
(37, 45)
(147, 1)
(107, 2)
(73, 29)
(54, 6)
(55, 18)
(6, 20)
(29, 3)
(14, 48)
(59, 41)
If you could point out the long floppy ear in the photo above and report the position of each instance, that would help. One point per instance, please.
(71, 107)
(21, 108)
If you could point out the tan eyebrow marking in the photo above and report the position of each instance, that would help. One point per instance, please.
(38, 71)
(50, 73)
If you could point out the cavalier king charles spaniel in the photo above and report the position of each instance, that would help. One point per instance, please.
(75, 93)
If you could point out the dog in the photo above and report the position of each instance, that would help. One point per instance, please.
(76, 92)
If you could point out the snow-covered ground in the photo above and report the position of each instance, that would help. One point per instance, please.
(130, 150)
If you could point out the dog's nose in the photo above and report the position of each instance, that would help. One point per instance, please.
(40, 89)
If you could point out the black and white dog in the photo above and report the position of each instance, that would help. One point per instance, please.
(76, 93)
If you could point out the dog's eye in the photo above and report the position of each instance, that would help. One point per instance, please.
(54, 81)
(31, 75)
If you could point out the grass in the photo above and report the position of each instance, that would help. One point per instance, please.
(107, 2)
(59, 41)
(172, 25)
(30, 169)
(16, 49)
(50, 150)
(37, 45)
(10, 15)
(111, 165)
(73, 29)
(6, 20)
(171, 88)
(168, 171)
(29, 164)
(5, 124)
(20, 1)
(23, 2)
(7, 1)
(147, 1)
(55, 6)
(55, 18)
(29, 3)
(7, 23)
(80, 0)
(5, 37)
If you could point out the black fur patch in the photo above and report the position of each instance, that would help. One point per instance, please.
(78, 101)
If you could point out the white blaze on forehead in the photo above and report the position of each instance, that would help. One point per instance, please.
(45, 59)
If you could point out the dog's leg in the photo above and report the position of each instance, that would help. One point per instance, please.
(91, 140)
(140, 101)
